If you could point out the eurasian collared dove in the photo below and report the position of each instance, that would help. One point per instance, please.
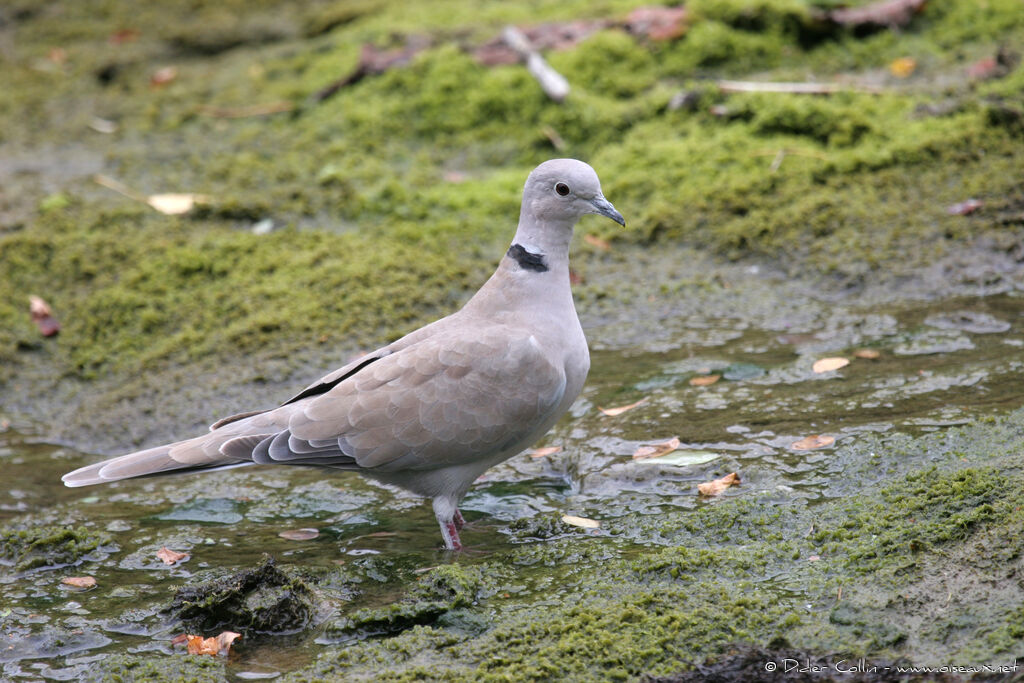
(435, 409)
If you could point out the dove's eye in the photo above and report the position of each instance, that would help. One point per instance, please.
(562, 189)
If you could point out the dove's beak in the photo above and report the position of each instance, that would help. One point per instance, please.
(604, 207)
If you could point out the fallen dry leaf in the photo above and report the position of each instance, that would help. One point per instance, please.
(716, 486)
(544, 452)
(882, 14)
(179, 639)
(813, 441)
(983, 69)
(867, 354)
(174, 204)
(43, 316)
(125, 35)
(829, 364)
(300, 534)
(197, 645)
(581, 522)
(57, 55)
(612, 412)
(704, 380)
(171, 556)
(656, 450)
(79, 581)
(902, 67)
(163, 76)
(595, 241)
(964, 208)
(657, 23)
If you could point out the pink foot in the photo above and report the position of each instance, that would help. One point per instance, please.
(450, 532)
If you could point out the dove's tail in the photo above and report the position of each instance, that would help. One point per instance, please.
(202, 453)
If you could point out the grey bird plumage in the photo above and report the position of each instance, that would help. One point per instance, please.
(435, 409)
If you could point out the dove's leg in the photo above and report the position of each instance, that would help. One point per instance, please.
(459, 521)
(447, 514)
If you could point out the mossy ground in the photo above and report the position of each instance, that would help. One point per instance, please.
(393, 199)
(394, 196)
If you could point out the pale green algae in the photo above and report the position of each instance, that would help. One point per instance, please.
(855, 576)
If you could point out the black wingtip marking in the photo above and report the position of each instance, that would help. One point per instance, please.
(526, 259)
(324, 387)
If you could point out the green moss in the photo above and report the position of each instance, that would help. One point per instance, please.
(918, 514)
(47, 547)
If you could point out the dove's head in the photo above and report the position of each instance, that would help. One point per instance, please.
(563, 190)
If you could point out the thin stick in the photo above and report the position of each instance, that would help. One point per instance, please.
(119, 187)
(792, 88)
(245, 112)
(551, 82)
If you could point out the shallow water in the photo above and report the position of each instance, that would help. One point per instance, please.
(939, 364)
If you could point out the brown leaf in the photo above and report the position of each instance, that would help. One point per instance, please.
(57, 55)
(882, 14)
(716, 486)
(656, 450)
(197, 645)
(179, 639)
(171, 556)
(43, 316)
(544, 452)
(704, 380)
(163, 76)
(813, 441)
(300, 534)
(612, 412)
(597, 242)
(983, 69)
(902, 67)
(829, 364)
(79, 581)
(583, 522)
(964, 208)
(867, 354)
(657, 23)
(125, 35)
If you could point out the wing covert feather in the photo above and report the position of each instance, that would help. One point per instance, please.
(441, 401)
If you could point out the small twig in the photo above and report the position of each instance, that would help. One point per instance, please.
(792, 88)
(781, 154)
(119, 187)
(552, 135)
(551, 82)
(245, 112)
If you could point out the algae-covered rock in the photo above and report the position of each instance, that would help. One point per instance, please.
(264, 599)
(47, 547)
(435, 593)
(129, 668)
(541, 528)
